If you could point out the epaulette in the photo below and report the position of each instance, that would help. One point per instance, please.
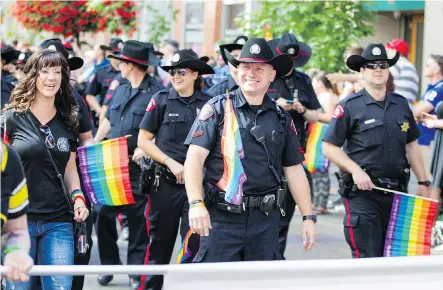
(351, 97)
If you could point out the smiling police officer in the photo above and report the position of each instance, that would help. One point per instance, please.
(245, 141)
(379, 135)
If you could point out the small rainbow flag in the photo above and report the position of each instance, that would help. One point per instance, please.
(315, 159)
(232, 149)
(104, 169)
(189, 248)
(410, 226)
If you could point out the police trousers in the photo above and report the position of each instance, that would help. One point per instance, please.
(366, 221)
(249, 236)
(107, 235)
(285, 221)
(167, 212)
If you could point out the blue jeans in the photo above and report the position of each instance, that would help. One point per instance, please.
(52, 243)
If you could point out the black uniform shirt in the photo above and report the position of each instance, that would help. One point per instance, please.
(84, 118)
(47, 200)
(116, 82)
(285, 87)
(375, 136)
(100, 82)
(14, 191)
(227, 85)
(7, 89)
(170, 117)
(280, 138)
(9, 78)
(128, 108)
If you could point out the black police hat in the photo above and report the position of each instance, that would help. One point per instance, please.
(56, 44)
(187, 58)
(257, 50)
(237, 44)
(115, 45)
(134, 51)
(9, 54)
(374, 52)
(299, 51)
(154, 60)
(22, 58)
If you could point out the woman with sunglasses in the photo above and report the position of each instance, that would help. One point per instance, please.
(169, 117)
(40, 122)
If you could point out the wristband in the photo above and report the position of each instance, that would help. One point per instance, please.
(80, 197)
(75, 193)
(166, 159)
(195, 201)
(11, 249)
(198, 204)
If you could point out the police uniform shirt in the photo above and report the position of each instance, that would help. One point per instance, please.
(170, 117)
(9, 78)
(116, 82)
(128, 108)
(306, 95)
(84, 118)
(280, 138)
(14, 191)
(434, 96)
(46, 196)
(227, 85)
(376, 133)
(100, 82)
(7, 89)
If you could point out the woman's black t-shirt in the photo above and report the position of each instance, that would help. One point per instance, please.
(47, 200)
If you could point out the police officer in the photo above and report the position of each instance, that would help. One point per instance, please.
(123, 118)
(296, 96)
(169, 117)
(245, 141)
(8, 55)
(230, 83)
(101, 80)
(379, 135)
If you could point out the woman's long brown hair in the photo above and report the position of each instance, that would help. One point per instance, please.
(24, 93)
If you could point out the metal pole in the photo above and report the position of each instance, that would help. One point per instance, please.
(75, 270)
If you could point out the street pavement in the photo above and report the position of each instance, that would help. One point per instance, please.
(330, 242)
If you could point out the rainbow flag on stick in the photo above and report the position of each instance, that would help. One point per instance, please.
(315, 160)
(410, 226)
(104, 170)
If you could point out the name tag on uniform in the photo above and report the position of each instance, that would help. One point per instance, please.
(369, 121)
(173, 115)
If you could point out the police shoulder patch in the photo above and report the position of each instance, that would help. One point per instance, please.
(339, 111)
(114, 85)
(197, 134)
(206, 112)
(151, 106)
(292, 127)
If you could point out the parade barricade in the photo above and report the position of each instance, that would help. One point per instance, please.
(344, 274)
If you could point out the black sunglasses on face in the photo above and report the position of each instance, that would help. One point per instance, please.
(376, 65)
(49, 140)
(181, 72)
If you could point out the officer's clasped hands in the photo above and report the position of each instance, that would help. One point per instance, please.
(199, 220)
(362, 180)
(177, 169)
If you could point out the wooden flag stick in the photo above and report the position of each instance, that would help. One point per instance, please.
(403, 193)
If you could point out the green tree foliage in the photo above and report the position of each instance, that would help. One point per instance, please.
(160, 24)
(329, 27)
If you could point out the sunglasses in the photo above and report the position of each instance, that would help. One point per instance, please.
(376, 65)
(181, 72)
(49, 140)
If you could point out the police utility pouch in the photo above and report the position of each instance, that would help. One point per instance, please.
(267, 204)
(147, 175)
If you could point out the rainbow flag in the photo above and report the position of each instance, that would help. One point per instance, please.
(186, 250)
(410, 226)
(315, 159)
(232, 150)
(104, 170)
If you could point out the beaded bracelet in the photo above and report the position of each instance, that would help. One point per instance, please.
(11, 249)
